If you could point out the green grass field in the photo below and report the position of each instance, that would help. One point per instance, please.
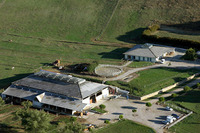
(80, 20)
(190, 101)
(28, 55)
(125, 126)
(137, 64)
(152, 80)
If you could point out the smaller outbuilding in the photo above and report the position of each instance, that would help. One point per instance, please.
(148, 52)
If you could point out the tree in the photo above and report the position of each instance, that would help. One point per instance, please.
(27, 104)
(161, 99)
(190, 54)
(34, 120)
(186, 88)
(102, 106)
(107, 121)
(198, 85)
(148, 104)
(121, 117)
(2, 102)
(134, 110)
(174, 95)
(73, 119)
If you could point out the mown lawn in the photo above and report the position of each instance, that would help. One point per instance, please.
(136, 64)
(190, 101)
(125, 126)
(152, 80)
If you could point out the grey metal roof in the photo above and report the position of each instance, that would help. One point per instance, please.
(47, 99)
(60, 84)
(153, 52)
(89, 88)
(50, 85)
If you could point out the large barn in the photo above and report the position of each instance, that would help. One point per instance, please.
(56, 92)
(148, 52)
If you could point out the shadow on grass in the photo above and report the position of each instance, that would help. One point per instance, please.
(133, 36)
(4, 128)
(4, 83)
(115, 54)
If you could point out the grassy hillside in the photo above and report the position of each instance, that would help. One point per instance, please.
(83, 20)
(74, 20)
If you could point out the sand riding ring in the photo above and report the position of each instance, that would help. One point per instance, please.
(108, 70)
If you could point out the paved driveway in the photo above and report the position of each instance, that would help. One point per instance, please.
(151, 117)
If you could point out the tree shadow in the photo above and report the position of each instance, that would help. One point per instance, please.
(133, 36)
(103, 119)
(128, 107)
(4, 128)
(190, 28)
(163, 109)
(139, 102)
(115, 54)
(117, 113)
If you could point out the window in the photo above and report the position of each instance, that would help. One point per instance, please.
(99, 93)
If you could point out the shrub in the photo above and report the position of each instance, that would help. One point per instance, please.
(161, 99)
(174, 95)
(121, 117)
(134, 110)
(186, 88)
(154, 27)
(148, 104)
(107, 121)
(102, 106)
(190, 54)
(198, 85)
(73, 119)
(92, 66)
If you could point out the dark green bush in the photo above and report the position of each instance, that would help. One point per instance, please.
(187, 88)
(161, 99)
(134, 110)
(102, 106)
(198, 85)
(92, 66)
(174, 95)
(121, 117)
(148, 104)
(107, 121)
(190, 54)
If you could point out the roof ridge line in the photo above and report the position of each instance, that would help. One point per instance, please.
(152, 52)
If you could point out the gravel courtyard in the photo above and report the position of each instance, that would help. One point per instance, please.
(151, 117)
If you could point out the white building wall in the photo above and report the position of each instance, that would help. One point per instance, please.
(105, 93)
(136, 58)
(126, 56)
(99, 97)
(86, 100)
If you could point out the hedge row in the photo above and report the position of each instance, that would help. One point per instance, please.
(176, 42)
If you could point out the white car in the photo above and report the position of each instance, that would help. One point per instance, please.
(169, 109)
(165, 122)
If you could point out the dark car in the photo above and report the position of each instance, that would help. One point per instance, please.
(176, 116)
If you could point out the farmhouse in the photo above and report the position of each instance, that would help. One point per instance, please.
(56, 92)
(148, 52)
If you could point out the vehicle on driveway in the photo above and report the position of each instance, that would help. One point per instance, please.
(169, 109)
(176, 116)
(165, 122)
(170, 119)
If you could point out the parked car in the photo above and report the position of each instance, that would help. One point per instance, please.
(176, 116)
(165, 122)
(169, 109)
